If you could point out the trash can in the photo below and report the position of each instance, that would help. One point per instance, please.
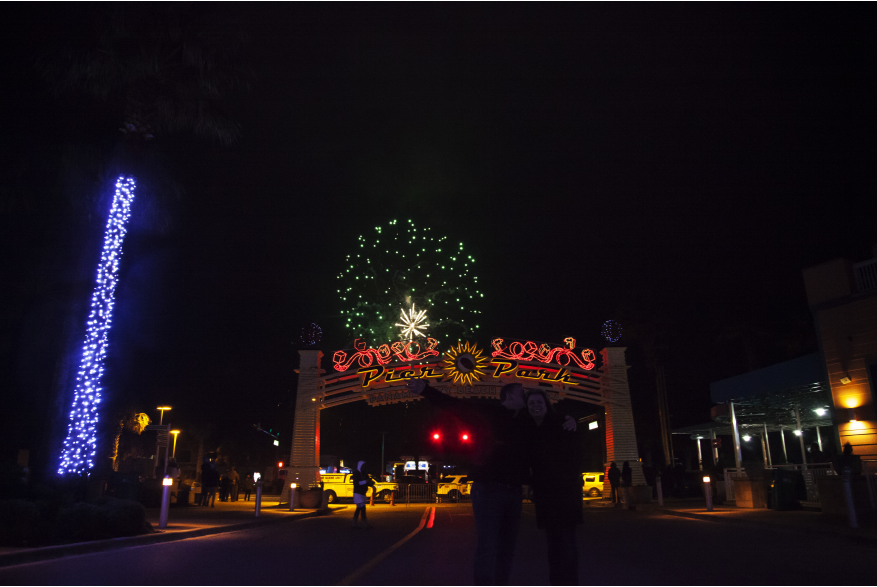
(785, 486)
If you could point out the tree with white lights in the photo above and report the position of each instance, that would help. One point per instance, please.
(402, 282)
(160, 69)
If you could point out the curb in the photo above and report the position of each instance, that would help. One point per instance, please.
(853, 534)
(63, 550)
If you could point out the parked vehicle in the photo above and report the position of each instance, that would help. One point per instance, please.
(340, 486)
(453, 487)
(592, 484)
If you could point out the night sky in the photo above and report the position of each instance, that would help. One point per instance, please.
(672, 167)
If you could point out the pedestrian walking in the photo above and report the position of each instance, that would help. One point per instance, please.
(247, 485)
(209, 484)
(361, 483)
(498, 472)
(614, 482)
(555, 457)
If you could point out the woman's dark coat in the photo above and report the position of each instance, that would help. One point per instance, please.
(555, 457)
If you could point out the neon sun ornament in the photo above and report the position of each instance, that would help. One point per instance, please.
(412, 322)
(80, 446)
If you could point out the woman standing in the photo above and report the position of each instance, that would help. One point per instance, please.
(555, 457)
(361, 483)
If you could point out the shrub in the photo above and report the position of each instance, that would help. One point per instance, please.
(107, 518)
(19, 522)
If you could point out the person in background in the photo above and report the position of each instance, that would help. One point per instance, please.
(361, 483)
(614, 481)
(247, 485)
(847, 460)
(234, 479)
(626, 482)
(209, 484)
(224, 486)
(555, 456)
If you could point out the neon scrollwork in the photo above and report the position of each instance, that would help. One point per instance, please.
(543, 353)
(402, 350)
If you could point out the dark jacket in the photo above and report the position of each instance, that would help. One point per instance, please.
(209, 478)
(361, 488)
(614, 476)
(556, 456)
(626, 476)
(497, 441)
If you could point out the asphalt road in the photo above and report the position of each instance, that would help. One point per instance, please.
(617, 548)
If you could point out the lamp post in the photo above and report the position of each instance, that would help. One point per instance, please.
(165, 501)
(162, 409)
(175, 432)
(708, 492)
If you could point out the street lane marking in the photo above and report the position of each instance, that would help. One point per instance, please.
(431, 518)
(355, 575)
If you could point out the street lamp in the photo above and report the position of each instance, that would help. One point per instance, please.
(175, 432)
(162, 409)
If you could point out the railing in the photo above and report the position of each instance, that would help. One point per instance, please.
(730, 475)
(866, 275)
(417, 493)
(811, 474)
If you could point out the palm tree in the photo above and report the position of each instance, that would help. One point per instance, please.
(162, 68)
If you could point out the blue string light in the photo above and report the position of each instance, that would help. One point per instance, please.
(80, 445)
(611, 331)
(311, 335)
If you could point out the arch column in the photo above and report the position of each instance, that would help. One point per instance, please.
(304, 458)
(620, 431)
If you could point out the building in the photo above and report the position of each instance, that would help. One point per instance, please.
(843, 299)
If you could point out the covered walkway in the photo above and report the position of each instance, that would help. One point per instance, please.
(789, 401)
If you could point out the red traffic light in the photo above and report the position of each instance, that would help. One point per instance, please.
(464, 436)
(436, 436)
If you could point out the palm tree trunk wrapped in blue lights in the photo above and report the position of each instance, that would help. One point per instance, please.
(80, 446)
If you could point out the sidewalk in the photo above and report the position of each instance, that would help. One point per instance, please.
(183, 523)
(798, 521)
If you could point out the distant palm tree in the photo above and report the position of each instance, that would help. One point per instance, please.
(162, 68)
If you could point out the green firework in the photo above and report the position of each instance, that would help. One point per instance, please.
(399, 265)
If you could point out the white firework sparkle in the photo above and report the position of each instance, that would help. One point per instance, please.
(413, 322)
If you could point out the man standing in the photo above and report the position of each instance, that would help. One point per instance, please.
(234, 479)
(614, 479)
(498, 472)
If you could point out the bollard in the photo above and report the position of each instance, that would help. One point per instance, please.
(258, 497)
(708, 491)
(292, 497)
(660, 492)
(165, 501)
(848, 493)
(393, 497)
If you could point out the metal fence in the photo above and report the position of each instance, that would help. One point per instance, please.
(731, 474)
(416, 493)
(811, 475)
